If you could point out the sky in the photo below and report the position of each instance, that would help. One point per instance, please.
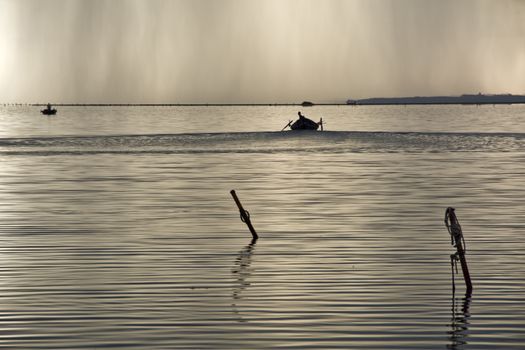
(257, 51)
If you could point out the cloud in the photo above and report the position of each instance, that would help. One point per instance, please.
(160, 51)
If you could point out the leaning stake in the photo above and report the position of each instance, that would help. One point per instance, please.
(457, 240)
(245, 215)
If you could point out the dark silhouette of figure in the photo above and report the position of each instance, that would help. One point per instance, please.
(301, 117)
(48, 106)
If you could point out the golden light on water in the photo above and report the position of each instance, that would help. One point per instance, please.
(117, 227)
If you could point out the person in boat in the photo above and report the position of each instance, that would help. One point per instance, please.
(48, 106)
(304, 123)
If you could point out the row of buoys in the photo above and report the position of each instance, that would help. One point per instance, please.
(451, 222)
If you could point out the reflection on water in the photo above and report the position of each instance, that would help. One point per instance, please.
(242, 272)
(458, 335)
(127, 241)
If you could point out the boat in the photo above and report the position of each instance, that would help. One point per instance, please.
(304, 123)
(52, 111)
(49, 110)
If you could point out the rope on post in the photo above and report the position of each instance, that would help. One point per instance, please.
(245, 215)
(458, 241)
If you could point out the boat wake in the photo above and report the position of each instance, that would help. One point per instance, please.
(267, 142)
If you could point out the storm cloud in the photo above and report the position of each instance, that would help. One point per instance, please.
(229, 51)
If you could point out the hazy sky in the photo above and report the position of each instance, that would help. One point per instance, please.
(175, 51)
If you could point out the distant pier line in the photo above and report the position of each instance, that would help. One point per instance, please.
(251, 104)
(178, 104)
(479, 99)
(259, 104)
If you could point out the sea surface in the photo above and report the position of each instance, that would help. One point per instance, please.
(118, 231)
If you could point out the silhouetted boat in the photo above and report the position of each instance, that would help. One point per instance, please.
(49, 110)
(304, 123)
(307, 104)
(52, 111)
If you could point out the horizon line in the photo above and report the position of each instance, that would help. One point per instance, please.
(171, 104)
(417, 99)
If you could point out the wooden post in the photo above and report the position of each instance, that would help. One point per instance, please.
(245, 215)
(457, 240)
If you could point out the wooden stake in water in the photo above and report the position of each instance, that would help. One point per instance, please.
(245, 215)
(457, 240)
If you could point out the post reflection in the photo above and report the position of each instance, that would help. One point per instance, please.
(459, 322)
(242, 272)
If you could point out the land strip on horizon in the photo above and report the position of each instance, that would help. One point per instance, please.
(478, 99)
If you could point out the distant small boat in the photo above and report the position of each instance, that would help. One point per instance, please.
(307, 104)
(49, 111)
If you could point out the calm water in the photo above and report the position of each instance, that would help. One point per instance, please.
(117, 228)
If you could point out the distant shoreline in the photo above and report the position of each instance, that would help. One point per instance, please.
(478, 99)
(170, 104)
